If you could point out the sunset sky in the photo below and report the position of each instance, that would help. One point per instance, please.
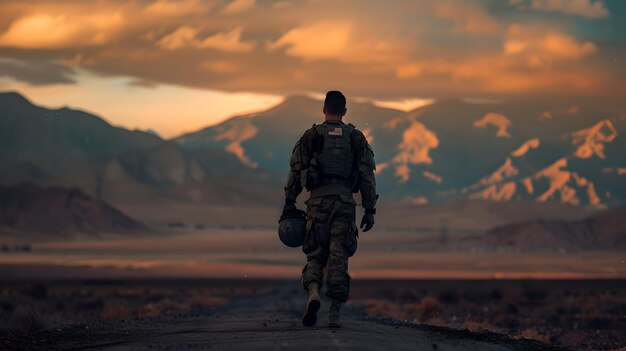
(177, 66)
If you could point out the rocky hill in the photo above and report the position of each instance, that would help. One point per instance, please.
(604, 231)
(29, 212)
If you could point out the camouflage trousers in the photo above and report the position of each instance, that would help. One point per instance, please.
(330, 240)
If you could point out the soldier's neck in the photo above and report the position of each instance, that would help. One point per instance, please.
(334, 118)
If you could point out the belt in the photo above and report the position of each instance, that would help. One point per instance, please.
(331, 189)
(349, 182)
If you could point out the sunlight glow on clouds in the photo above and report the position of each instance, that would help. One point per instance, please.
(378, 50)
(239, 6)
(170, 110)
(225, 41)
(59, 31)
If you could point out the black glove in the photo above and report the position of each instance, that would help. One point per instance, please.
(368, 220)
(290, 207)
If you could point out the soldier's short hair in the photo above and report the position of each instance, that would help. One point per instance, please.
(335, 103)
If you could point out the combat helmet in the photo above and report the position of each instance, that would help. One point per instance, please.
(292, 228)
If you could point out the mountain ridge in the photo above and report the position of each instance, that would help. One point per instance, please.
(439, 151)
(445, 151)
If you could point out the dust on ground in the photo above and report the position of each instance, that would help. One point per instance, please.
(238, 315)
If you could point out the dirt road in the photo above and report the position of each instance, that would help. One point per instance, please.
(263, 322)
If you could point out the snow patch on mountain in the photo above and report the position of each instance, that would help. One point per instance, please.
(593, 197)
(528, 184)
(496, 119)
(236, 133)
(523, 150)
(507, 170)
(417, 141)
(558, 181)
(563, 184)
(496, 192)
(591, 140)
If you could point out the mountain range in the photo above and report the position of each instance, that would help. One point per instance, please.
(543, 150)
(563, 150)
(71, 148)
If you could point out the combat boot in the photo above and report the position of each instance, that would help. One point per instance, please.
(334, 314)
(313, 305)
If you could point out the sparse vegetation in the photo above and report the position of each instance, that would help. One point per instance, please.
(30, 307)
(584, 315)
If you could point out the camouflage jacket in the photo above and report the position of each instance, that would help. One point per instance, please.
(364, 157)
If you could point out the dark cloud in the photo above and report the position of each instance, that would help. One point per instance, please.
(37, 72)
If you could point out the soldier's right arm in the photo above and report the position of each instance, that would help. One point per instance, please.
(300, 159)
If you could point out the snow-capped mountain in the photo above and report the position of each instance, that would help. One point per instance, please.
(543, 150)
(564, 150)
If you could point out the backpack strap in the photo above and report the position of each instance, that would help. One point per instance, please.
(317, 144)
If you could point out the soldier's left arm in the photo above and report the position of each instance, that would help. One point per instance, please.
(366, 167)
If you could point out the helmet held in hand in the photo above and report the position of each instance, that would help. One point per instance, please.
(292, 228)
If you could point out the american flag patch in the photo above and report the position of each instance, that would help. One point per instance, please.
(337, 131)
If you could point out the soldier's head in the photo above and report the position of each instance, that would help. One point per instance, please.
(334, 105)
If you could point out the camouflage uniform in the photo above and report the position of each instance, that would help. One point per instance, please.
(331, 228)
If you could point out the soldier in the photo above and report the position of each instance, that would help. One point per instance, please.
(332, 160)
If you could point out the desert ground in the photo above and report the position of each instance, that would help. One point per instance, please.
(208, 277)
(197, 252)
(265, 315)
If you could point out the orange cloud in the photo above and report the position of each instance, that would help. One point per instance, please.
(53, 31)
(538, 48)
(237, 6)
(169, 8)
(185, 36)
(467, 17)
(182, 37)
(228, 41)
(223, 67)
(342, 41)
(323, 40)
(377, 50)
